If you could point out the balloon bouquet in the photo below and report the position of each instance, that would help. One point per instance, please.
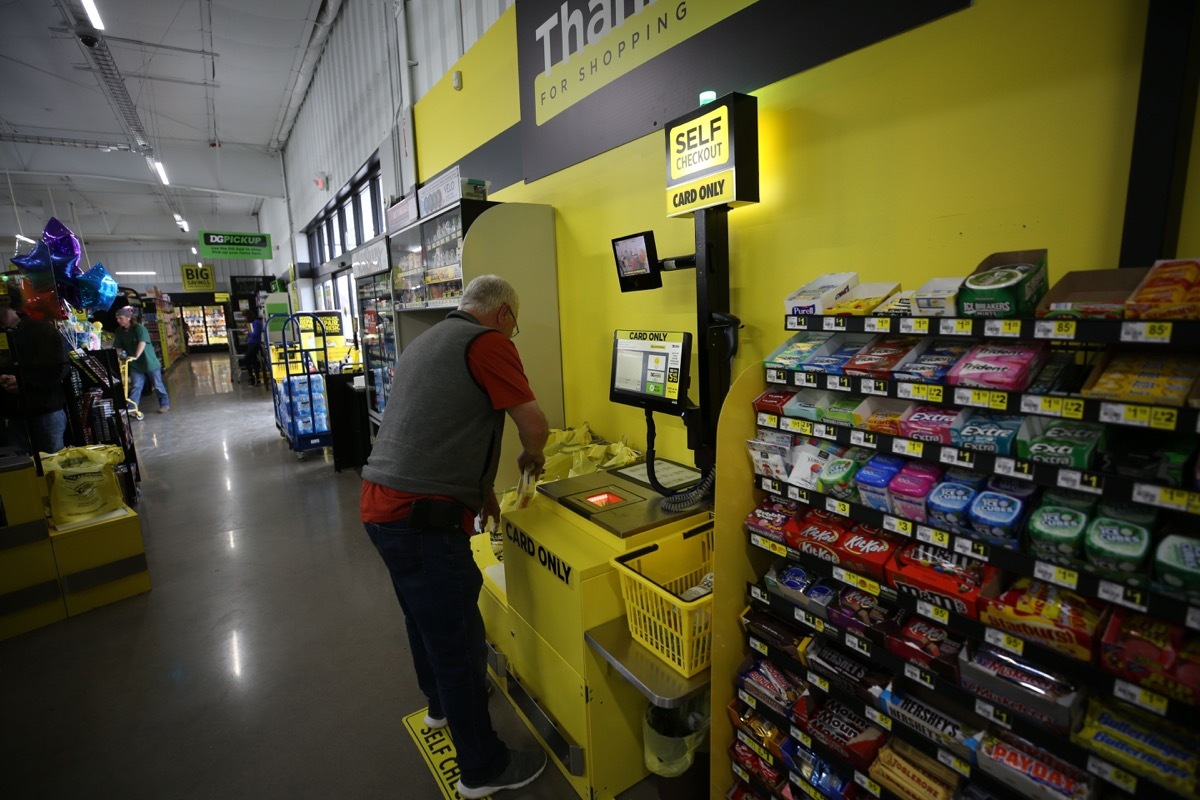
(55, 285)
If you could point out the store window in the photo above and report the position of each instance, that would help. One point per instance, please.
(349, 224)
(366, 205)
(335, 248)
(353, 216)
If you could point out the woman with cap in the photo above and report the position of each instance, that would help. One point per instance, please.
(134, 339)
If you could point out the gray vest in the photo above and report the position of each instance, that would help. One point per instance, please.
(440, 434)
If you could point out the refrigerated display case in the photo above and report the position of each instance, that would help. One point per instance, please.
(375, 309)
(205, 326)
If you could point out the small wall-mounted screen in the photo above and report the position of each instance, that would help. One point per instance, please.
(650, 369)
(637, 262)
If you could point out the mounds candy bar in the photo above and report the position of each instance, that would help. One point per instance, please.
(1042, 612)
(957, 731)
(1153, 748)
(856, 610)
(1154, 653)
(1018, 685)
(847, 734)
(770, 515)
(865, 550)
(910, 774)
(945, 579)
(922, 642)
(772, 401)
(1032, 771)
(845, 671)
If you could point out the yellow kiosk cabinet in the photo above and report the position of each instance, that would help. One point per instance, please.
(30, 596)
(101, 560)
(557, 583)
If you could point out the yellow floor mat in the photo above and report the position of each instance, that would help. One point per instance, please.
(437, 748)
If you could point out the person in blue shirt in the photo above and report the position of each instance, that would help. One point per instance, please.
(253, 357)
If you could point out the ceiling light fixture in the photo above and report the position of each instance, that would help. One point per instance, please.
(135, 273)
(178, 217)
(93, 14)
(162, 172)
(184, 225)
(25, 239)
(193, 251)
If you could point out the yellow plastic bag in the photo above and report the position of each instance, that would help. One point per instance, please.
(82, 482)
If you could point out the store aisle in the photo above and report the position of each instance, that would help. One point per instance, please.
(268, 661)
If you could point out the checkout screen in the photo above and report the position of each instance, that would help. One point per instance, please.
(648, 367)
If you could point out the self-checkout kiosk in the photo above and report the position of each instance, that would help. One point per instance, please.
(560, 649)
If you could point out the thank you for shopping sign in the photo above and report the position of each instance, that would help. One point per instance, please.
(234, 245)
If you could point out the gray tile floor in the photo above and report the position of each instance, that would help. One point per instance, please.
(269, 660)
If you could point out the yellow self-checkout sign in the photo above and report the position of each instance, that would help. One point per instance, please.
(712, 156)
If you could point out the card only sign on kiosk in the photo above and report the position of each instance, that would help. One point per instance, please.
(650, 370)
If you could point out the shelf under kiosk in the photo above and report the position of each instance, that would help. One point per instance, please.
(542, 607)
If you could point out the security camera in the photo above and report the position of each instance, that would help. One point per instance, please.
(88, 39)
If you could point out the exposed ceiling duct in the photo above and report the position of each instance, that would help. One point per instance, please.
(302, 77)
(58, 141)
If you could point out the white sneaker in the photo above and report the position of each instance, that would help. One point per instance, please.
(524, 767)
(434, 723)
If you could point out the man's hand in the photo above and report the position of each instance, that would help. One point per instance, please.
(491, 510)
(9, 383)
(529, 460)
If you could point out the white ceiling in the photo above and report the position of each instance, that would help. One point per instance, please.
(217, 124)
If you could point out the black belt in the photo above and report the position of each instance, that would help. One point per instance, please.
(430, 513)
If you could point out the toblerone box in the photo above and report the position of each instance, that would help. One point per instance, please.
(1005, 285)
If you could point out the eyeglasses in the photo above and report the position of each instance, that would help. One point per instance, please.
(516, 327)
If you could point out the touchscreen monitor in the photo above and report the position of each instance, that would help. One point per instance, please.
(650, 369)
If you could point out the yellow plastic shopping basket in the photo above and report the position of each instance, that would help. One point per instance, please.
(652, 579)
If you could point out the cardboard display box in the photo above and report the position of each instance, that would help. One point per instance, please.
(101, 561)
(1091, 294)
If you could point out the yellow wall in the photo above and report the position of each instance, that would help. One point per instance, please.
(1005, 126)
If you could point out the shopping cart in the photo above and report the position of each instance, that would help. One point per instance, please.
(133, 407)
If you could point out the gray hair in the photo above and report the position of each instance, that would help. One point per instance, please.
(487, 293)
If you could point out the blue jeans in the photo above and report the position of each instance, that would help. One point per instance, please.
(137, 381)
(41, 433)
(438, 583)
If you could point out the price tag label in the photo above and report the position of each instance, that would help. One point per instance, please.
(1148, 332)
(767, 544)
(915, 673)
(935, 613)
(768, 420)
(795, 323)
(873, 386)
(1041, 404)
(805, 786)
(796, 493)
(747, 698)
(825, 431)
(758, 749)
(954, 762)
(839, 383)
(1127, 596)
(758, 594)
(897, 525)
(877, 324)
(1013, 468)
(956, 327)
(771, 485)
(1081, 481)
(1072, 408)
(1163, 497)
(817, 681)
(863, 438)
(1164, 419)
(1004, 640)
(955, 456)
(933, 536)
(833, 323)
(908, 447)
(912, 391)
(806, 379)
(1060, 576)
(989, 711)
(1114, 775)
(970, 547)
(1002, 327)
(1192, 618)
(979, 398)
(1151, 701)
(835, 506)
(868, 784)
(776, 376)
(743, 776)
(793, 425)
(755, 644)
(998, 401)
(855, 643)
(914, 324)
(882, 720)
(1062, 329)
(857, 581)
(934, 394)
(800, 736)
(816, 623)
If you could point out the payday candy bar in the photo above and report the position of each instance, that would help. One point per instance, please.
(912, 775)
(847, 734)
(1031, 771)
